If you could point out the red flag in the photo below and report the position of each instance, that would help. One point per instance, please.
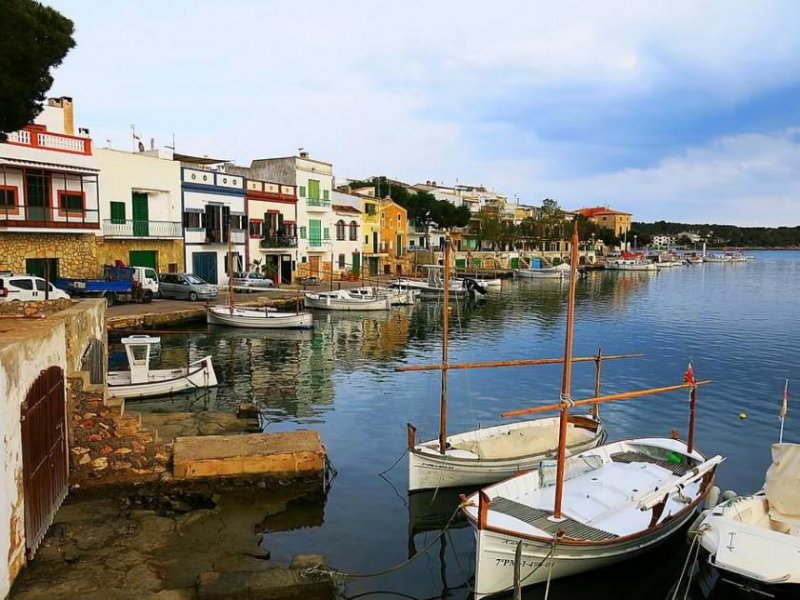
(688, 377)
(785, 405)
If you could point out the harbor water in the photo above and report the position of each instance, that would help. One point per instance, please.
(738, 323)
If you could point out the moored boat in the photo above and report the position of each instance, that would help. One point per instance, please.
(257, 318)
(342, 300)
(630, 264)
(560, 271)
(397, 297)
(143, 382)
(754, 541)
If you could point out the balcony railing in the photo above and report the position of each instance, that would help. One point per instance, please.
(318, 202)
(128, 228)
(318, 242)
(47, 217)
(215, 236)
(51, 141)
(278, 242)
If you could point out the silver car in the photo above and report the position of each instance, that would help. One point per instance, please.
(186, 285)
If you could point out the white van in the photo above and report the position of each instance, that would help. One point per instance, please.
(27, 287)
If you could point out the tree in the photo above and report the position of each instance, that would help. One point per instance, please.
(33, 40)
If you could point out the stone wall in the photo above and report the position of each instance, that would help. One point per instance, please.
(170, 252)
(33, 308)
(107, 447)
(76, 252)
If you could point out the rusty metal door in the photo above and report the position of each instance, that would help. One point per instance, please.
(44, 454)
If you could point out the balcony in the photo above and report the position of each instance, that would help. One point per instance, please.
(317, 203)
(215, 236)
(51, 141)
(128, 228)
(278, 242)
(36, 217)
(318, 243)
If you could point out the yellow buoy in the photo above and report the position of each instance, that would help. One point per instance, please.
(742, 416)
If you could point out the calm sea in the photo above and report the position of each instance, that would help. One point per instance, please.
(739, 324)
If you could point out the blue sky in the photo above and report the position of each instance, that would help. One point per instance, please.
(685, 111)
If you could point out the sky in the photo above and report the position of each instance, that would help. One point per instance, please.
(677, 110)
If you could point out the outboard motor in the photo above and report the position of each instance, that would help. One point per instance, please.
(473, 286)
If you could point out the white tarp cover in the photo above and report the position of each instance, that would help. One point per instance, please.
(783, 480)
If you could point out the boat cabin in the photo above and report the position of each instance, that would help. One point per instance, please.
(138, 348)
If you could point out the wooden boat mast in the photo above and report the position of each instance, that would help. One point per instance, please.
(566, 379)
(445, 322)
(230, 268)
(524, 362)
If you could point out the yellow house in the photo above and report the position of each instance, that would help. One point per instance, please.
(394, 228)
(371, 234)
(616, 220)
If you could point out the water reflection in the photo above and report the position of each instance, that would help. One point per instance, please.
(738, 324)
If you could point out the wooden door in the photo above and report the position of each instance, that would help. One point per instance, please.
(313, 266)
(44, 454)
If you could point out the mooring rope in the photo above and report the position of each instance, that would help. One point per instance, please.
(695, 540)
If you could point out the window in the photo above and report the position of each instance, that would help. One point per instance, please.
(326, 195)
(118, 213)
(326, 233)
(366, 239)
(191, 220)
(8, 198)
(21, 284)
(340, 230)
(302, 232)
(369, 208)
(353, 231)
(302, 192)
(237, 221)
(70, 202)
(341, 261)
(313, 189)
(398, 220)
(256, 228)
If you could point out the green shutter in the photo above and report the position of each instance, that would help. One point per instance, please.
(302, 233)
(302, 192)
(326, 234)
(118, 213)
(314, 232)
(326, 195)
(313, 189)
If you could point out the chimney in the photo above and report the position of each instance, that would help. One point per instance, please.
(303, 154)
(69, 119)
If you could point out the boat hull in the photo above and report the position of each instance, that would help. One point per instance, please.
(494, 570)
(354, 304)
(428, 469)
(541, 273)
(252, 319)
(164, 382)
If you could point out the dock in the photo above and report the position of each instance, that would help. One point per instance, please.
(275, 456)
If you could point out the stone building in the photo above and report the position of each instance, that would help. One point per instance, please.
(394, 236)
(616, 220)
(49, 198)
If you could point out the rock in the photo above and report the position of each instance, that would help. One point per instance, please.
(307, 561)
(89, 415)
(84, 459)
(137, 447)
(95, 437)
(106, 450)
(121, 465)
(123, 451)
(161, 457)
(100, 463)
(88, 424)
(247, 410)
(79, 450)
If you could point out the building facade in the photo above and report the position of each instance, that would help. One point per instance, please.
(49, 197)
(272, 229)
(393, 235)
(371, 234)
(346, 238)
(314, 182)
(213, 209)
(140, 210)
(616, 220)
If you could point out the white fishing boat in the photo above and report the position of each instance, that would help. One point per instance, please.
(590, 509)
(253, 317)
(257, 318)
(560, 271)
(754, 541)
(494, 282)
(490, 454)
(630, 264)
(343, 300)
(143, 382)
(397, 297)
(434, 286)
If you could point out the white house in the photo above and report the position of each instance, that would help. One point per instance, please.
(662, 241)
(140, 209)
(314, 182)
(347, 233)
(213, 208)
(49, 213)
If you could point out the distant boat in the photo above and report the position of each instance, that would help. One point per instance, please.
(397, 297)
(754, 541)
(343, 300)
(434, 286)
(560, 271)
(630, 264)
(143, 382)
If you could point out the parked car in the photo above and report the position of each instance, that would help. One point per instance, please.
(23, 287)
(252, 280)
(186, 285)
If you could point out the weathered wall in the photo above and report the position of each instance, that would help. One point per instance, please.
(76, 253)
(169, 251)
(26, 348)
(83, 321)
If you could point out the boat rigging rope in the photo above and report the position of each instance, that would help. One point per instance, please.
(695, 542)
(399, 458)
(319, 570)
